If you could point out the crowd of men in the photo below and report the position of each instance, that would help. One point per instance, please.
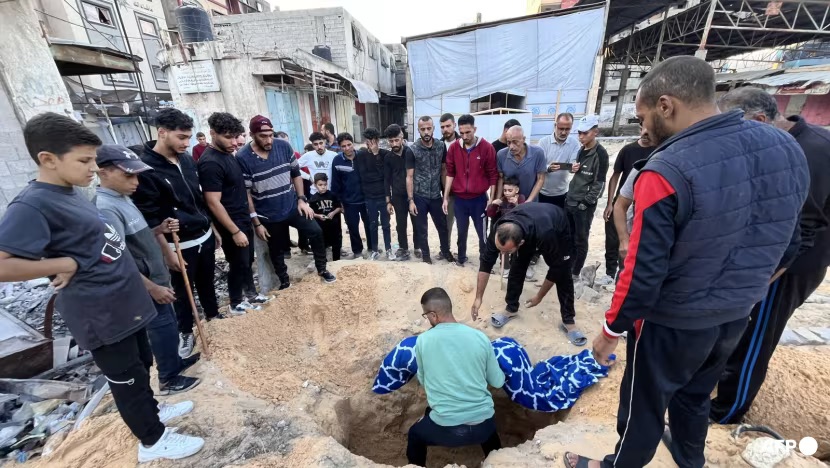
(718, 232)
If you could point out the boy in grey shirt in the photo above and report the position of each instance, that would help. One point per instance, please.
(119, 169)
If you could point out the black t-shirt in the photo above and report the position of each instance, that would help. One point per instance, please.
(220, 172)
(498, 146)
(105, 301)
(325, 203)
(628, 155)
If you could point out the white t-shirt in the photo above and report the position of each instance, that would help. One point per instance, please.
(317, 164)
(627, 191)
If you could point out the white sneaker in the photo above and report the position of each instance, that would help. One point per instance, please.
(171, 446)
(605, 280)
(529, 273)
(311, 267)
(506, 274)
(168, 412)
(374, 256)
(390, 255)
(260, 299)
(185, 345)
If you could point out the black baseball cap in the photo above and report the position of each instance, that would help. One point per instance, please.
(120, 157)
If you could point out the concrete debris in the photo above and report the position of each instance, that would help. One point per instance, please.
(817, 298)
(808, 337)
(589, 274)
(47, 389)
(790, 338)
(765, 452)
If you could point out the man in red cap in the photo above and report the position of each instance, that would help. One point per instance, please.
(272, 177)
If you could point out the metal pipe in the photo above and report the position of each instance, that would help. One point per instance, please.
(615, 124)
(662, 34)
(784, 30)
(708, 27)
(317, 116)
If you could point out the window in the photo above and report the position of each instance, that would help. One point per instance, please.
(98, 14)
(121, 78)
(259, 7)
(614, 98)
(147, 27)
(357, 38)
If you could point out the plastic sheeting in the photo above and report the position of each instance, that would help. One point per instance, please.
(538, 54)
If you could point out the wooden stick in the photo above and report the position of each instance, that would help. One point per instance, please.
(202, 336)
(501, 271)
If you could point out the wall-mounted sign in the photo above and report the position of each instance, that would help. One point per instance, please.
(195, 77)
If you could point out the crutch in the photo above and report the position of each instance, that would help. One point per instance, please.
(202, 336)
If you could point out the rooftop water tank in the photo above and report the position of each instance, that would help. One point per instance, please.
(194, 24)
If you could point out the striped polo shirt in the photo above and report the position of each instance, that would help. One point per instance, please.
(270, 180)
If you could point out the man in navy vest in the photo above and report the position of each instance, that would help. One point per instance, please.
(715, 209)
(747, 367)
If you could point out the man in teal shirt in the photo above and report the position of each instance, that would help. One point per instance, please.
(455, 364)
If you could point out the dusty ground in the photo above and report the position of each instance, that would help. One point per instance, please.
(289, 386)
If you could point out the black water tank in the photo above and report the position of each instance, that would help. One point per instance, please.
(194, 24)
(322, 51)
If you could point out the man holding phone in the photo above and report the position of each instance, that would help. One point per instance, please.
(561, 149)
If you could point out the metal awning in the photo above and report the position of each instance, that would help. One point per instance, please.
(78, 58)
(748, 76)
(805, 78)
(365, 93)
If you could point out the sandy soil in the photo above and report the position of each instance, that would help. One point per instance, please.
(290, 386)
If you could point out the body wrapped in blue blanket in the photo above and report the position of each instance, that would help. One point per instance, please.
(551, 385)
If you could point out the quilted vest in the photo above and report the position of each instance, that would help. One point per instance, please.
(740, 186)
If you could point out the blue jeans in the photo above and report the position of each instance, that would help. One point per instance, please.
(376, 208)
(425, 432)
(353, 212)
(464, 210)
(164, 341)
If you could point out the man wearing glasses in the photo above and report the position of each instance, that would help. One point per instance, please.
(455, 365)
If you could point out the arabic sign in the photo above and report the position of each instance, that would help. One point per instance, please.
(196, 77)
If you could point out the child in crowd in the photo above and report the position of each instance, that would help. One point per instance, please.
(511, 198)
(50, 229)
(327, 211)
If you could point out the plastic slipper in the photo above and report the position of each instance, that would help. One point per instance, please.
(581, 462)
(500, 320)
(576, 337)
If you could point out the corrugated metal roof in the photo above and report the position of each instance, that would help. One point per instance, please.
(745, 76)
(806, 78)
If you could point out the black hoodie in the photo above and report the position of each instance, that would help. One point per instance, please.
(545, 228)
(172, 191)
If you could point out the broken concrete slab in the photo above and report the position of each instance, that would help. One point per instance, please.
(790, 338)
(47, 389)
(808, 337)
(817, 298)
(824, 333)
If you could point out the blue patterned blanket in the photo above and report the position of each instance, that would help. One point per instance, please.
(550, 385)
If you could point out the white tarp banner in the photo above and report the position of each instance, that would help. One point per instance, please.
(538, 54)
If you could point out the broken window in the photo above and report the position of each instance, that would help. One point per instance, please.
(98, 14)
(147, 27)
(357, 38)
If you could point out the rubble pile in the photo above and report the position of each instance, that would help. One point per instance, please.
(36, 415)
(27, 302)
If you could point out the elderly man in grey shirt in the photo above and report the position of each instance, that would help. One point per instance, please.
(560, 148)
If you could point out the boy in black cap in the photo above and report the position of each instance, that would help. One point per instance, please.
(119, 169)
(49, 229)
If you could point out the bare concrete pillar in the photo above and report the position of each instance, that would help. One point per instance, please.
(29, 85)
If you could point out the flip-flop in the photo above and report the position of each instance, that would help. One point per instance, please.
(576, 337)
(581, 462)
(500, 320)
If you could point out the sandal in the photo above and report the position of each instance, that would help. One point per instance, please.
(582, 462)
(576, 337)
(500, 320)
